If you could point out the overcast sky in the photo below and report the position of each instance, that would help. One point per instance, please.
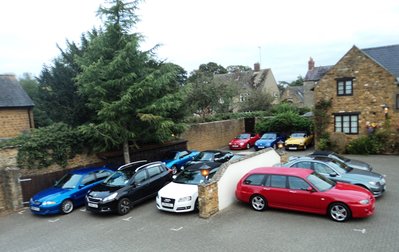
(280, 34)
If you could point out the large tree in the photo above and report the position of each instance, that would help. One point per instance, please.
(134, 96)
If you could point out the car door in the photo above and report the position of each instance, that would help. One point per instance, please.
(184, 157)
(275, 190)
(326, 171)
(157, 178)
(300, 198)
(85, 184)
(139, 186)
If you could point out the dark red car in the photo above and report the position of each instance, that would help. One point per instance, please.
(243, 141)
(304, 190)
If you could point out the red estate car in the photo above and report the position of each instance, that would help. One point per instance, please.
(243, 141)
(304, 190)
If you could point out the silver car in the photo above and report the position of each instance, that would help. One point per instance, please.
(338, 171)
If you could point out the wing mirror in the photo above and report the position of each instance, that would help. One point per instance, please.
(309, 189)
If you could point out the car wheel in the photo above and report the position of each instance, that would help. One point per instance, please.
(248, 146)
(196, 206)
(66, 206)
(258, 203)
(174, 170)
(123, 206)
(305, 147)
(339, 212)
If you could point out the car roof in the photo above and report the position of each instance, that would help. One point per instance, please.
(89, 169)
(302, 172)
(322, 153)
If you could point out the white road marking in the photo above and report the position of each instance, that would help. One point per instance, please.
(83, 210)
(363, 231)
(176, 229)
(127, 219)
(21, 212)
(52, 221)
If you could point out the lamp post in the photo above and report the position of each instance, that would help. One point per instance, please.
(205, 172)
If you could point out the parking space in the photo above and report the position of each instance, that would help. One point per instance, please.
(237, 228)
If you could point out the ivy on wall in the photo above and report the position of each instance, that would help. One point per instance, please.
(321, 121)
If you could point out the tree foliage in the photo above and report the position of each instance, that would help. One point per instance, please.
(134, 96)
(285, 123)
(237, 68)
(257, 101)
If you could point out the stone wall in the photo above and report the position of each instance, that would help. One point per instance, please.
(212, 135)
(15, 121)
(372, 87)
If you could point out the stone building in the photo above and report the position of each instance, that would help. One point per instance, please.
(261, 80)
(15, 108)
(363, 87)
(293, 95)
(312, 77)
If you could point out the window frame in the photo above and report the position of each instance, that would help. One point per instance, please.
(344, 81)
(342, 115)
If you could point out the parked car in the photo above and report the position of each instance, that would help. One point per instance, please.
(181, 195)
(304, 190)
(243, 141)
(349, 162)
(210, 156)
(69, 192)
(267, 140)
(298, 140)
(176, 159)
(340, 172)
(129, 185)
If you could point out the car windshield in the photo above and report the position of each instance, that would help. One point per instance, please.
(339, 166)
(341, 158)
(192, 177)
(69, 181)
(243, 136)
(320, 182)
(204, 156)
(118, 178)
(297, 135)
(171, 155)
(269, 136)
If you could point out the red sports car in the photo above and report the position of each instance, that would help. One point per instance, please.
(243, 141)
(304, 190)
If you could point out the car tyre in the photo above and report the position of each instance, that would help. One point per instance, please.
(258, 203)
(123, 206)
(339, 212)
(67, 206)
(174, 170)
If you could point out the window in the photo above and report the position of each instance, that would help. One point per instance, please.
(153, 170)
(303, 164)
(255, 179)
(344, 87)
(277, 181)
(141, 176)
(347, 123)
(88, 179)
(296, 183)
(323, 169)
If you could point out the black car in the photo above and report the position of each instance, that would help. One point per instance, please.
(210, 156)
(349, 162)
(128, 186)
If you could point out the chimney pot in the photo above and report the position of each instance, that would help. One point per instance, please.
(310, 64)
(257, 67)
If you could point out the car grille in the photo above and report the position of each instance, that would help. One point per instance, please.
(167, 202)
(93, 199)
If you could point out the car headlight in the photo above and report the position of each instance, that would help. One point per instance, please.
(46, 203)
(364, 202)
(110, 197)
(241, 144)
(188, 198)
(373, 183)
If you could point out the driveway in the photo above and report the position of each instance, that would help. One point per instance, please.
(238, 228)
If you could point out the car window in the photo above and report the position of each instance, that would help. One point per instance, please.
(153, 170)
(88, 179)
(100, 175)
(296, 183)
(183, 153)
(140, 176)
(303, 164)
(277, 181)
(255, 179)
(322, 168)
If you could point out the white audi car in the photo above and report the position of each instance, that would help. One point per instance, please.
(181, 195)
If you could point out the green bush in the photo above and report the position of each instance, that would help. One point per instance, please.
(284, 123)
(45, 146)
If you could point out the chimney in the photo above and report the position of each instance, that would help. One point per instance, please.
(310, 64)
(257, 67)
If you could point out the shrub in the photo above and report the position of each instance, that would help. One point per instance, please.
(284, 123)
(338, 142)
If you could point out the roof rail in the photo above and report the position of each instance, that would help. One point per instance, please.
(129, 164)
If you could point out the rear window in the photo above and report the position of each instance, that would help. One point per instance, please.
(255, 179)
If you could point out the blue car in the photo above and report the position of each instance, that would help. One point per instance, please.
(267, 140)
(176, 159)
(68, 192)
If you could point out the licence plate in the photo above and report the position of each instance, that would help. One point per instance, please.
(92, 205)
(292, 148)
(235, 146)
(37, 209)
(167, 204)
